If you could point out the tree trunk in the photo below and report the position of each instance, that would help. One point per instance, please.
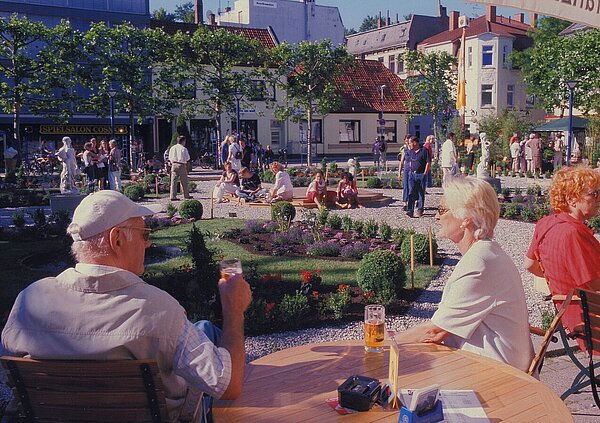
(17, 126)
(219, 132)
(132, 157)
(309, 114)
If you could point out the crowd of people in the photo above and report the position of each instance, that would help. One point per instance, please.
(102, 309)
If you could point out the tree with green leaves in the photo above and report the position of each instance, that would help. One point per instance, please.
(553, 59)
(499, 130)
(306, 72)
(161, 14)
(122, 57)
(368, 23)
(215, 64)
(432, 86)
(185, 12)
(38, 65)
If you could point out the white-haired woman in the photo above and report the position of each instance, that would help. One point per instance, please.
(483, 308)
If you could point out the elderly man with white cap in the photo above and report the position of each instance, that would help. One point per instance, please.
(101, 309)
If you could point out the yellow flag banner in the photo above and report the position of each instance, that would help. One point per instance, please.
(581, 11)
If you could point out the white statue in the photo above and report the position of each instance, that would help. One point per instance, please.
(482, 171)
(66, 155)
(352, 167)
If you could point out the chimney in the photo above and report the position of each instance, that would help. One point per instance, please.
(379, 21)
(532, 18)
(397, 21)
(442, 11)
(212, 19)
(388, 20)
(519, 17)
(227, 9)
(453, 21)
(490, 13)
(199, 12)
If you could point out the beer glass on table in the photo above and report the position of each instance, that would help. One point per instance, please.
(230, 267)
(374, 327)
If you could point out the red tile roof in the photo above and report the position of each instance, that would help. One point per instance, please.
(502, 26)
(264, 36)
(360, 89)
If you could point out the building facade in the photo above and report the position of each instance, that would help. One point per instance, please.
(492, 84)
(292, 20)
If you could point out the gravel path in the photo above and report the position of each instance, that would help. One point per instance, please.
(513, 236)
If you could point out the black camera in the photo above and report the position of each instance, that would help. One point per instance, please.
(359, 393)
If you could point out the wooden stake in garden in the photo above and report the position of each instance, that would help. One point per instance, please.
(362, 172)
(156, 183)
(212, 205)
(430, 233)
(412, 261)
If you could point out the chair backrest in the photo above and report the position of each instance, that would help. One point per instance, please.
(590, 313)
(539, 355)
(87, 391)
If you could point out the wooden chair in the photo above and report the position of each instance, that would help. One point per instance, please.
(536, 363)
(590, 306)
(91, 391)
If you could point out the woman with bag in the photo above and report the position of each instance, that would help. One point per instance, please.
(114, 166)
(563, 249)
(235, 154)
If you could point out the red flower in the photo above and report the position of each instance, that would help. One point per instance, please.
(269, 307)
(342, 287)
(306, 276)
(368, 294)
(315, 295)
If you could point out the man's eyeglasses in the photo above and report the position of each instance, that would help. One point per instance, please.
(442, 210)
(146, 234)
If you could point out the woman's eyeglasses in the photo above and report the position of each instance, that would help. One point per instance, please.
(595, 194)
(146, 234)
(442, 210)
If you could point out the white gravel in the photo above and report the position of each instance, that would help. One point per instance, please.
(513, 236)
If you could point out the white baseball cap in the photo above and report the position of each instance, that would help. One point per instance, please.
(101, 211)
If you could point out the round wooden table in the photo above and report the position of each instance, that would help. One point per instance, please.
(292, 385)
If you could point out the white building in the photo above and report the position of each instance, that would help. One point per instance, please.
(492, 84)
(292, 20)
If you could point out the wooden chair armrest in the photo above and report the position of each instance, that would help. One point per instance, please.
(191, 407)
(562, 297)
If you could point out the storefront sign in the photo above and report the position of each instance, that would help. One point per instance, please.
(263, 3)
(81, 129)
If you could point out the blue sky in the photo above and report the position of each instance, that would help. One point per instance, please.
(354, 11)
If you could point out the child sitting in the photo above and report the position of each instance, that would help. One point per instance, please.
(251, 187)
(317, 190)
(229, 183)
(347, 194)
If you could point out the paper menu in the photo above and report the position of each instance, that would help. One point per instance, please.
(460, 406)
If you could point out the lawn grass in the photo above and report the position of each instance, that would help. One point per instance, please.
(333, 271)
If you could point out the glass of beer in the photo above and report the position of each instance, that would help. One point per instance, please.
(374, 328)
(230, 267)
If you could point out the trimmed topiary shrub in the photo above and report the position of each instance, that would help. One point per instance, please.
(283, 211)
(134, 192)
(385, 231)
(382, 273)
(374, 183)
(370, 228)
(346, 223)
(421, 248)
(334, 221)
(191, 209)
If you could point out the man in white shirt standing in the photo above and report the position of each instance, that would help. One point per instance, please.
(449, 164)
(179, 157)
(558, 151)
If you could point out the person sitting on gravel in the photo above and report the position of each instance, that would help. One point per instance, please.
(317, 190)
(574, 198)
(251, 188)
(283, 189)
(228, 184)
(102, 310)
(347, 193)
(483, 308)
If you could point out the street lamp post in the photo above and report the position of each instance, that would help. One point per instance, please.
(111, 93)
(571, 84)
(381, 118)
(238, 97)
